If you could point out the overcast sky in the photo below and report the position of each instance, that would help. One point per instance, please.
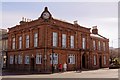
(101, 14)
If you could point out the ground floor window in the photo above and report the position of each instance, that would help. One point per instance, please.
(16, 59)
(11, 59)
(19, 59)
(38, 58)
(71, 59)
(104, 60)
(27, 59)
(54, 58)
(95, 62)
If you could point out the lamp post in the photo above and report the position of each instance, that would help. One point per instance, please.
(52, 61)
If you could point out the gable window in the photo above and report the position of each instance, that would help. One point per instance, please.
(20, 42)
(94, 45)
(54, 58)
(19, 59)
(64, 40)
(38, 58)
(83, 43)
(13, 43)
(72, 41)
(95, 62)
(11, 59)
(71, 59)
(27, 59)
(55, 39)
(99, 45)
(27, 41)
(35, 39)
(104, 46)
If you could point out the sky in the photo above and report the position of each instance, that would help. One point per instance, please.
(104, 15)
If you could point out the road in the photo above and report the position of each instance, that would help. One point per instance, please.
(100, 73)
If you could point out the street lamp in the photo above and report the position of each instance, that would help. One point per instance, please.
(52, 61)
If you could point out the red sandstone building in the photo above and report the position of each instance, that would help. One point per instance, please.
(36, 45)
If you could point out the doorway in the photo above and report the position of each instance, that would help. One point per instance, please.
(100, 62)
(83, 61)
(32, 64)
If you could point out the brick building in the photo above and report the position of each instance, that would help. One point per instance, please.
(36, 45)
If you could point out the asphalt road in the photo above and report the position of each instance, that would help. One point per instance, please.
(100, 73)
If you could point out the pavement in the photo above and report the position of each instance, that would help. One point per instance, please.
(100, 73)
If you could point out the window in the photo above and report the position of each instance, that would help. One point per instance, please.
(104, 46)
(27, 41)
(27, 59)
(99, 48)
(64, 40)
(35, 39)
(71, 59)
(54, 58)
(83, 43)
(16, 59)
(55, 39)
(19, 59)
(72, 41)
(38, 58)
(20, 42)
(104, 60)
(13, 43)
(11, 59)
(94, 46)
(95, 60)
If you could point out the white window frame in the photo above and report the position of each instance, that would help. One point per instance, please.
(99, 45)
(38, 58)
(95, 60)
(105, 60)
(27, 59)
(13, 43)
(72, 41)
(63, 40)
(27, 41)
(104, 46)
(11, 59)
(83, 43)
(54, 58)
(71, 59)
(35, 39)
(20, 42)
(20, 59)
(94, 45)
(55, 39)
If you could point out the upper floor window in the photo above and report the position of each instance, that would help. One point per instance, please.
(99, 45)
(13, 43)
(83, 43)
(64, 40)
(104, 46)
(94, 45)
(11, 59)
(72, 41)
(35, 39)
(27, 41)
(27, 59)
(38, 58)
(55, 39)
(54, 58)
(20, 42)
(71, 59)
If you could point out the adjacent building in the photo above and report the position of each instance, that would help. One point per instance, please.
(38, 44)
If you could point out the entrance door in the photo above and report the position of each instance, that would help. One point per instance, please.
(83, 61)
(32, 64)
(100, 62)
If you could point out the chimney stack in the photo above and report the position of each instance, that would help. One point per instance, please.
(94, 30)
(76, 22)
